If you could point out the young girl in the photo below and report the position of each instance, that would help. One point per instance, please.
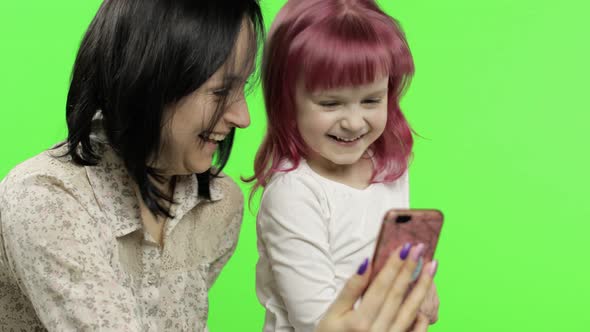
(336, 153)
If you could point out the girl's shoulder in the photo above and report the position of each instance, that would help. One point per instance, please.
(294, 192)
(294, 184)
(401, 183)
(293, 179)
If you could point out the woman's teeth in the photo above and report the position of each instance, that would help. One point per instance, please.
(216, 137)
(213, 137)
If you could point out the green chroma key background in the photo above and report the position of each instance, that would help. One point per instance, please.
(500, 101)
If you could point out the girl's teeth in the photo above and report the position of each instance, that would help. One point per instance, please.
(347, 139)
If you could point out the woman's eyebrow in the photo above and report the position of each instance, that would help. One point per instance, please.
(226, 81)
(230, 80)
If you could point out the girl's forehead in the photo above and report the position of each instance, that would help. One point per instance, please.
(372, 86)
(343, 75)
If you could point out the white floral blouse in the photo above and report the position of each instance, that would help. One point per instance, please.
(74, 255)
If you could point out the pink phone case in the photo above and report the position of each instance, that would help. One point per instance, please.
(403, 226)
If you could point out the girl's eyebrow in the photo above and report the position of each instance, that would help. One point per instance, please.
(327, 94)
(321, 95)
(377, 93)
(337, 96)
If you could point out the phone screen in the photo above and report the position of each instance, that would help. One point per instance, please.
(403, 226)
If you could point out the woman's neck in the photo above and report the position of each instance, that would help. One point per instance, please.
(164, 184)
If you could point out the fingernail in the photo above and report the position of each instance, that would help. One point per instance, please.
(363, 267)
(418, 252)
(405, 251)
(433, 268)
(418, 269)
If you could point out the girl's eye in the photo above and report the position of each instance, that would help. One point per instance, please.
(372, 101)
(328, 103)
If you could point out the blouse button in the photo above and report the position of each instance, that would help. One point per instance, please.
(152, 280)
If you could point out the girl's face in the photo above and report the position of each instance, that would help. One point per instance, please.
(187, 146)
(339, 125)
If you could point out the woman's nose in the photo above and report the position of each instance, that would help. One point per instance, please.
(237, 115)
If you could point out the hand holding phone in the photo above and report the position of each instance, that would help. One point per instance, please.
(407, 226)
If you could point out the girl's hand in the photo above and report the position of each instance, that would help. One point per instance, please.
(383, 306)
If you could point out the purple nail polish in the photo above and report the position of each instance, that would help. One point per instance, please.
(405, 251)
(363, 268)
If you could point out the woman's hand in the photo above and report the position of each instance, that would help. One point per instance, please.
(383, 306)
(429, 307)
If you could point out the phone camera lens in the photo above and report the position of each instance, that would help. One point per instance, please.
(403, 219)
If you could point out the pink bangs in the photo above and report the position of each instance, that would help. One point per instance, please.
(341, 51)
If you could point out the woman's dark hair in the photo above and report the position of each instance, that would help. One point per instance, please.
(139, 56)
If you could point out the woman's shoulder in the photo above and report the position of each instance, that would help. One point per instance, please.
(43, 187)
(42, 196)
(228, 199)
(228, 188)
(48, 168)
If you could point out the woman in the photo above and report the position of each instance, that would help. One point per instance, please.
(126, 225)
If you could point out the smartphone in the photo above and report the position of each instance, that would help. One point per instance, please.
(403, 226)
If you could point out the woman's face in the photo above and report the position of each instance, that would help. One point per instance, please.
(187, 146)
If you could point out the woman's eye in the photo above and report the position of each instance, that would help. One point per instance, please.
(223, 92)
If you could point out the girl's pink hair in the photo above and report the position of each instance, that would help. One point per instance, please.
(331, 44)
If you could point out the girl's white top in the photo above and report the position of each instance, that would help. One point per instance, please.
(313, 233)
